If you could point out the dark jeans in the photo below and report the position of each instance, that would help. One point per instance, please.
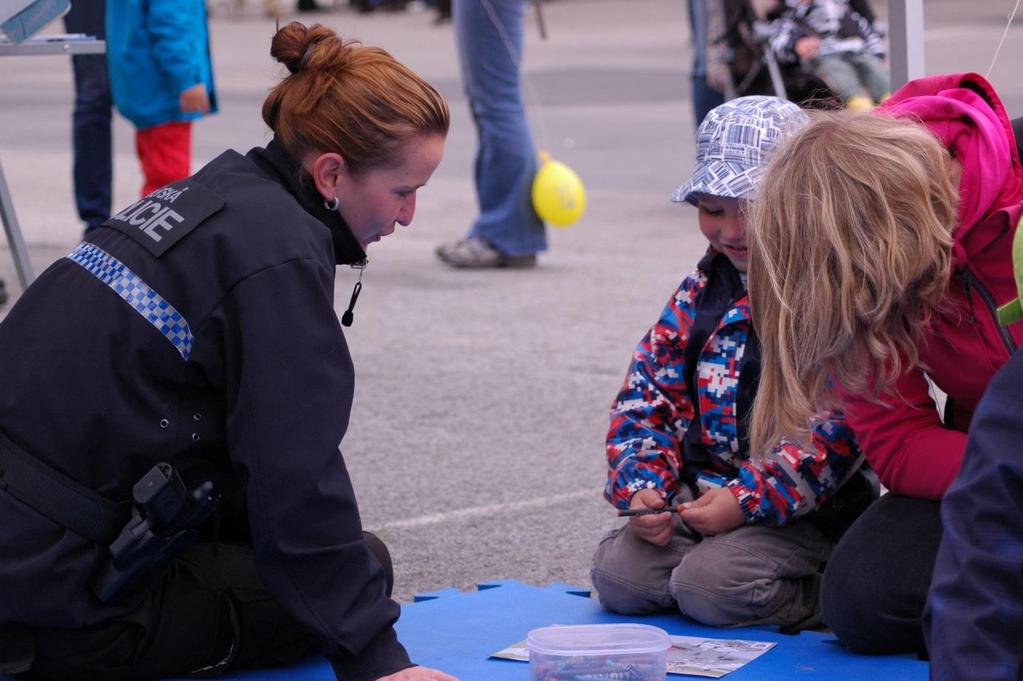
(91, 118)
(875, 585)
(210, 613)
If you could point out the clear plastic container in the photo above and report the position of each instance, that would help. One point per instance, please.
(618, 652)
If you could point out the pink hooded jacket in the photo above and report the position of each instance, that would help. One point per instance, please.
(903, 438)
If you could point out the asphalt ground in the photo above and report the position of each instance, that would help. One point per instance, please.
(476, 444)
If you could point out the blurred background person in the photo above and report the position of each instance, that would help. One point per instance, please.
(162, 80)
(507, 232)
(90, 129)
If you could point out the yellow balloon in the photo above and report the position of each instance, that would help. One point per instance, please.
(558, 194)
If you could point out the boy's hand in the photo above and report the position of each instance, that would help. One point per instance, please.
(716, 512)
(195, 99)
(656, 529)
(808, 47)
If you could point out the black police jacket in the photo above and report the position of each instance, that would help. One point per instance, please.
(198, 326)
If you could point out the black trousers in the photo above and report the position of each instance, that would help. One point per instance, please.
(875, 585)
(209, 613)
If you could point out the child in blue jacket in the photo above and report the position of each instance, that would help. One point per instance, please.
(161, 79)
(745, 548)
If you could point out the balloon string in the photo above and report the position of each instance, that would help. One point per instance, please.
(1002, 41)
(532, 97)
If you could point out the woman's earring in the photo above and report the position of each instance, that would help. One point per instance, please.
(332, 205)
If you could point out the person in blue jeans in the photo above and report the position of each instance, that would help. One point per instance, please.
(90, 133)
(508, 232)
(703, 95)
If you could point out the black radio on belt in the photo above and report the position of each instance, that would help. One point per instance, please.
(164, 522)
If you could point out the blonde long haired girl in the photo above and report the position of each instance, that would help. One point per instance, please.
(850, 253)
(879, 252)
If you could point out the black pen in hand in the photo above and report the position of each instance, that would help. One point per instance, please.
(683, 528)
(622, 512)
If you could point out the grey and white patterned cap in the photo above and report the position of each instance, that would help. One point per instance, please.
(734, 143)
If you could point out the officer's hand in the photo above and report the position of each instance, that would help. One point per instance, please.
(418, 674)
(715, 512)
(195, 99)
(657, 528)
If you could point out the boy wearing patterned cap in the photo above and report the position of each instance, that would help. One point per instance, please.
(743, 548)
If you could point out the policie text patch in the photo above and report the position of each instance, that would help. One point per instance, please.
(164, 217)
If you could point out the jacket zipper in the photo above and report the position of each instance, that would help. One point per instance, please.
(972, 283)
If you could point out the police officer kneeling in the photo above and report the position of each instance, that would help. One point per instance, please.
(172, 497)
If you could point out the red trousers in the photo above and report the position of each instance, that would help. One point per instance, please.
(165, 152)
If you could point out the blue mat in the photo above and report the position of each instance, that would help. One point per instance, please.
(457, 632)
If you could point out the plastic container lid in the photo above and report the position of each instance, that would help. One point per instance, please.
(598, 639)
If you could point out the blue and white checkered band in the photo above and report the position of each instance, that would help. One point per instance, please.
(136, 293)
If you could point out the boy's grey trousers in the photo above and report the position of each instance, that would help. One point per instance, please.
(751, 575)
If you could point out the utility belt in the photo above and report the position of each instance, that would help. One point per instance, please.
(141, 537)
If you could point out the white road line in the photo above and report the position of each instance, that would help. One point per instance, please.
(492, 509)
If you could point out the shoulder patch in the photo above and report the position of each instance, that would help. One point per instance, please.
(164, 217)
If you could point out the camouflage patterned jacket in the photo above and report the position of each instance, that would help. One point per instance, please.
(681, 414)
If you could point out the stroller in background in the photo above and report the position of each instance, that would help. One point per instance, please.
(740, 60)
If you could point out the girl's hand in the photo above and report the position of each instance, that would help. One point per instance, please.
(716, 512)
(656, 529)
(418, 674)
(195, 99)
